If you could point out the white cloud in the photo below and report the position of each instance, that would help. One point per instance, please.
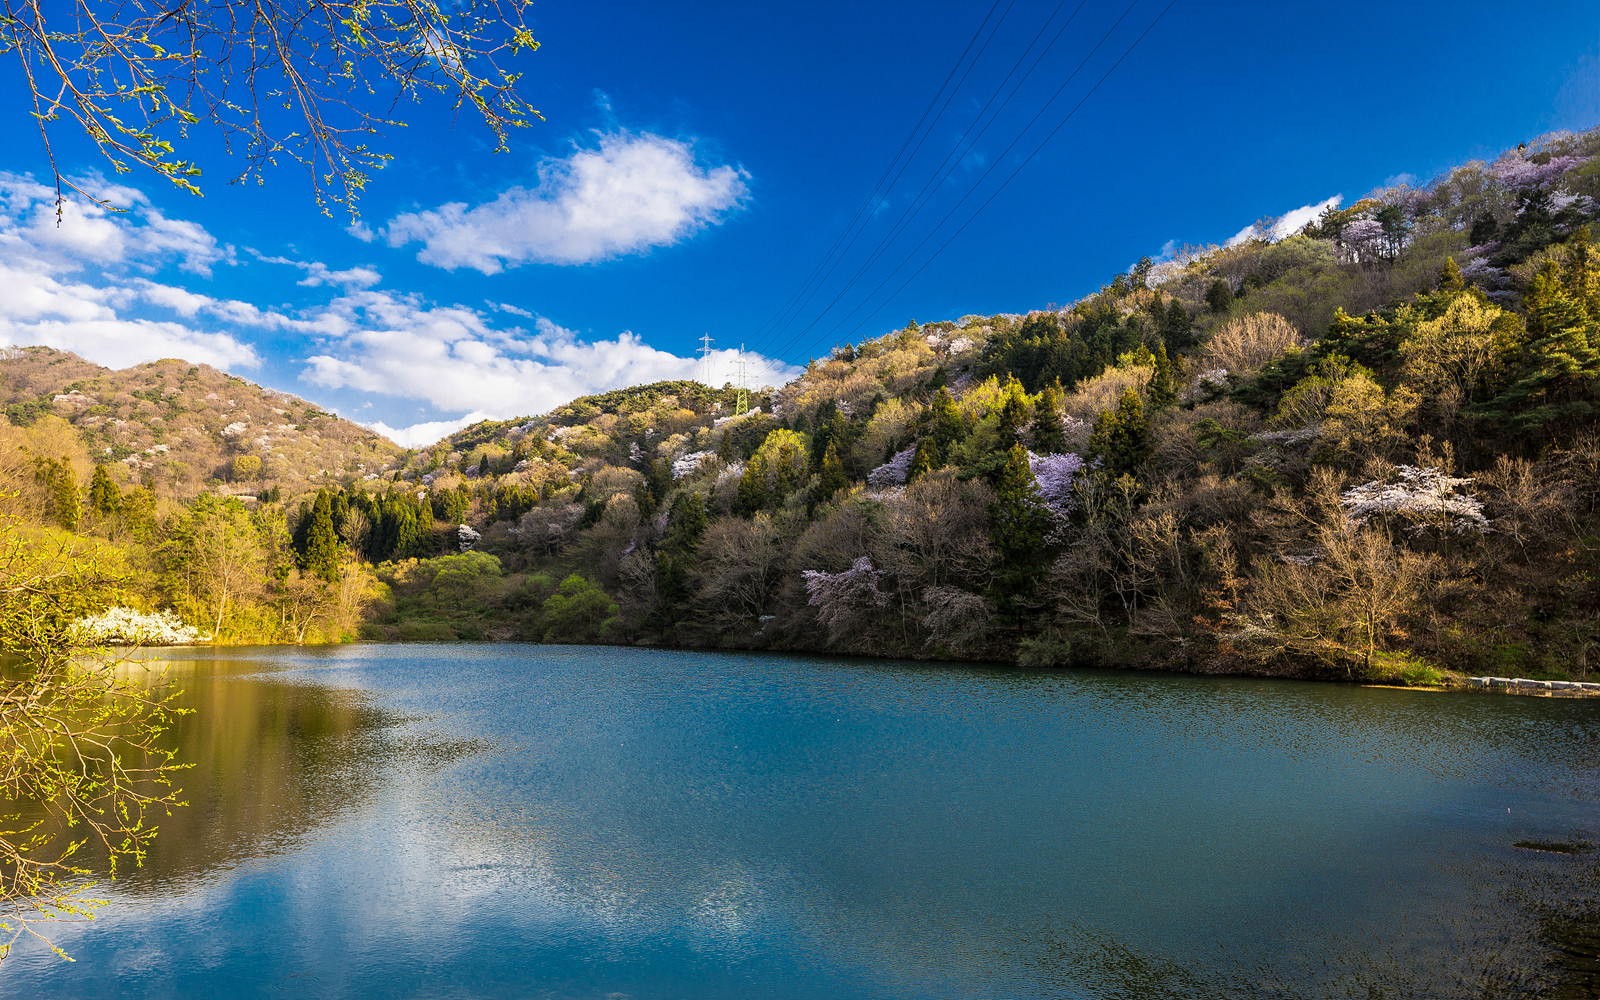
(635, 192)
(452, 358)
(69, 285)
(425, 433)
(91, 286)
(1287, 224)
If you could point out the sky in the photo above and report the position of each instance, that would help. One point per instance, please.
(782, 177)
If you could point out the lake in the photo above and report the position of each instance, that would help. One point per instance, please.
(454, 821)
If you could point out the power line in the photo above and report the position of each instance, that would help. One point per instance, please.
(951, 160)
(795, 300)
(1003, 185)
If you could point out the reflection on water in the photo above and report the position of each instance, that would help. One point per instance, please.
(509, 821)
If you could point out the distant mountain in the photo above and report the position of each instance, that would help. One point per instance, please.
(178, 427)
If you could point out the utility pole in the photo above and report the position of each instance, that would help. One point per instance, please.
(705, 358)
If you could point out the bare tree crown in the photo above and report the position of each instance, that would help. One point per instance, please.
(310, 81)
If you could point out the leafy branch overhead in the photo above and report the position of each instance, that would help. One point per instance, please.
(311, 82)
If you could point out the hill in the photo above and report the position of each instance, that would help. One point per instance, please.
(1368, 448)
(179, 428)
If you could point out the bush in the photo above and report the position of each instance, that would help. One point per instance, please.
(579, 611)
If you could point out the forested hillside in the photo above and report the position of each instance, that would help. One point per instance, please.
(1367, 449)
(178, 428)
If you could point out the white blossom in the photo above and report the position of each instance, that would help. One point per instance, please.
(466, 537)
(689, 464)
(127, 627)
(843, 599)
(1054, 474)
(1425, 496)
(894, 471)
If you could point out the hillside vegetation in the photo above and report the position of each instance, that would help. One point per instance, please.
(1367, 449)
(178, 428)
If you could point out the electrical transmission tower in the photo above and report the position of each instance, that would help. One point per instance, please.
(705, 358)
(743, 404)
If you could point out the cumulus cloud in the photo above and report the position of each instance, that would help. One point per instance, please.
(100, 286)
(454, 359)
(1287, 224)
(76, 286)
(635, 192)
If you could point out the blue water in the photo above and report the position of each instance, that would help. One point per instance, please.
(442, 821)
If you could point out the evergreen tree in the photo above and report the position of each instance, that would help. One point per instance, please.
(1163, 391)
(753, 494)
(927, 459)
(831, 477)
(1175, 330)
(1018, 522)
(1450, 279)
(1048, 436)
(1219, 296)
(1563, 365)
(1484, 230)
(485, 469)
(947, 426)
(63, 500)
(1013, 412)
(322, 544)
(1121, 437)
(105, 498)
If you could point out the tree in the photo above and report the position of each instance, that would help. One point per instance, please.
(1013, 412)
(1018, 522)
(63, 503)
(1048, 435)
(1219, 296)
(281, 80)
(1563, 363)
(752, 494)
(926, 459)
(246, 468)
(947, 425)
(105, 498)
(1163, 391)
(579, 611)
(80, 743)
(831, 476)
(322, 544)
(214, 559)
(1121, 437)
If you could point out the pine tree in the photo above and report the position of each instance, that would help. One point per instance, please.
(1121, 437)
(947, 426)
(322, 545)
(1048, 436)
(1176, 329)
(1013, 412)
(752, 494)
(1450, 279)
(1017, 523)
(926, 460)
(1162, 390)
(105, 498)
(63, 500)
(831, 477)
(1219, 296)
(1563, 365)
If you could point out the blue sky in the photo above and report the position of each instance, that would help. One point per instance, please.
(697, 161)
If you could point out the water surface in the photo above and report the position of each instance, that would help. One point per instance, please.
(523, 821)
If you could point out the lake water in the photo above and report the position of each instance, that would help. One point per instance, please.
(454, 821)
